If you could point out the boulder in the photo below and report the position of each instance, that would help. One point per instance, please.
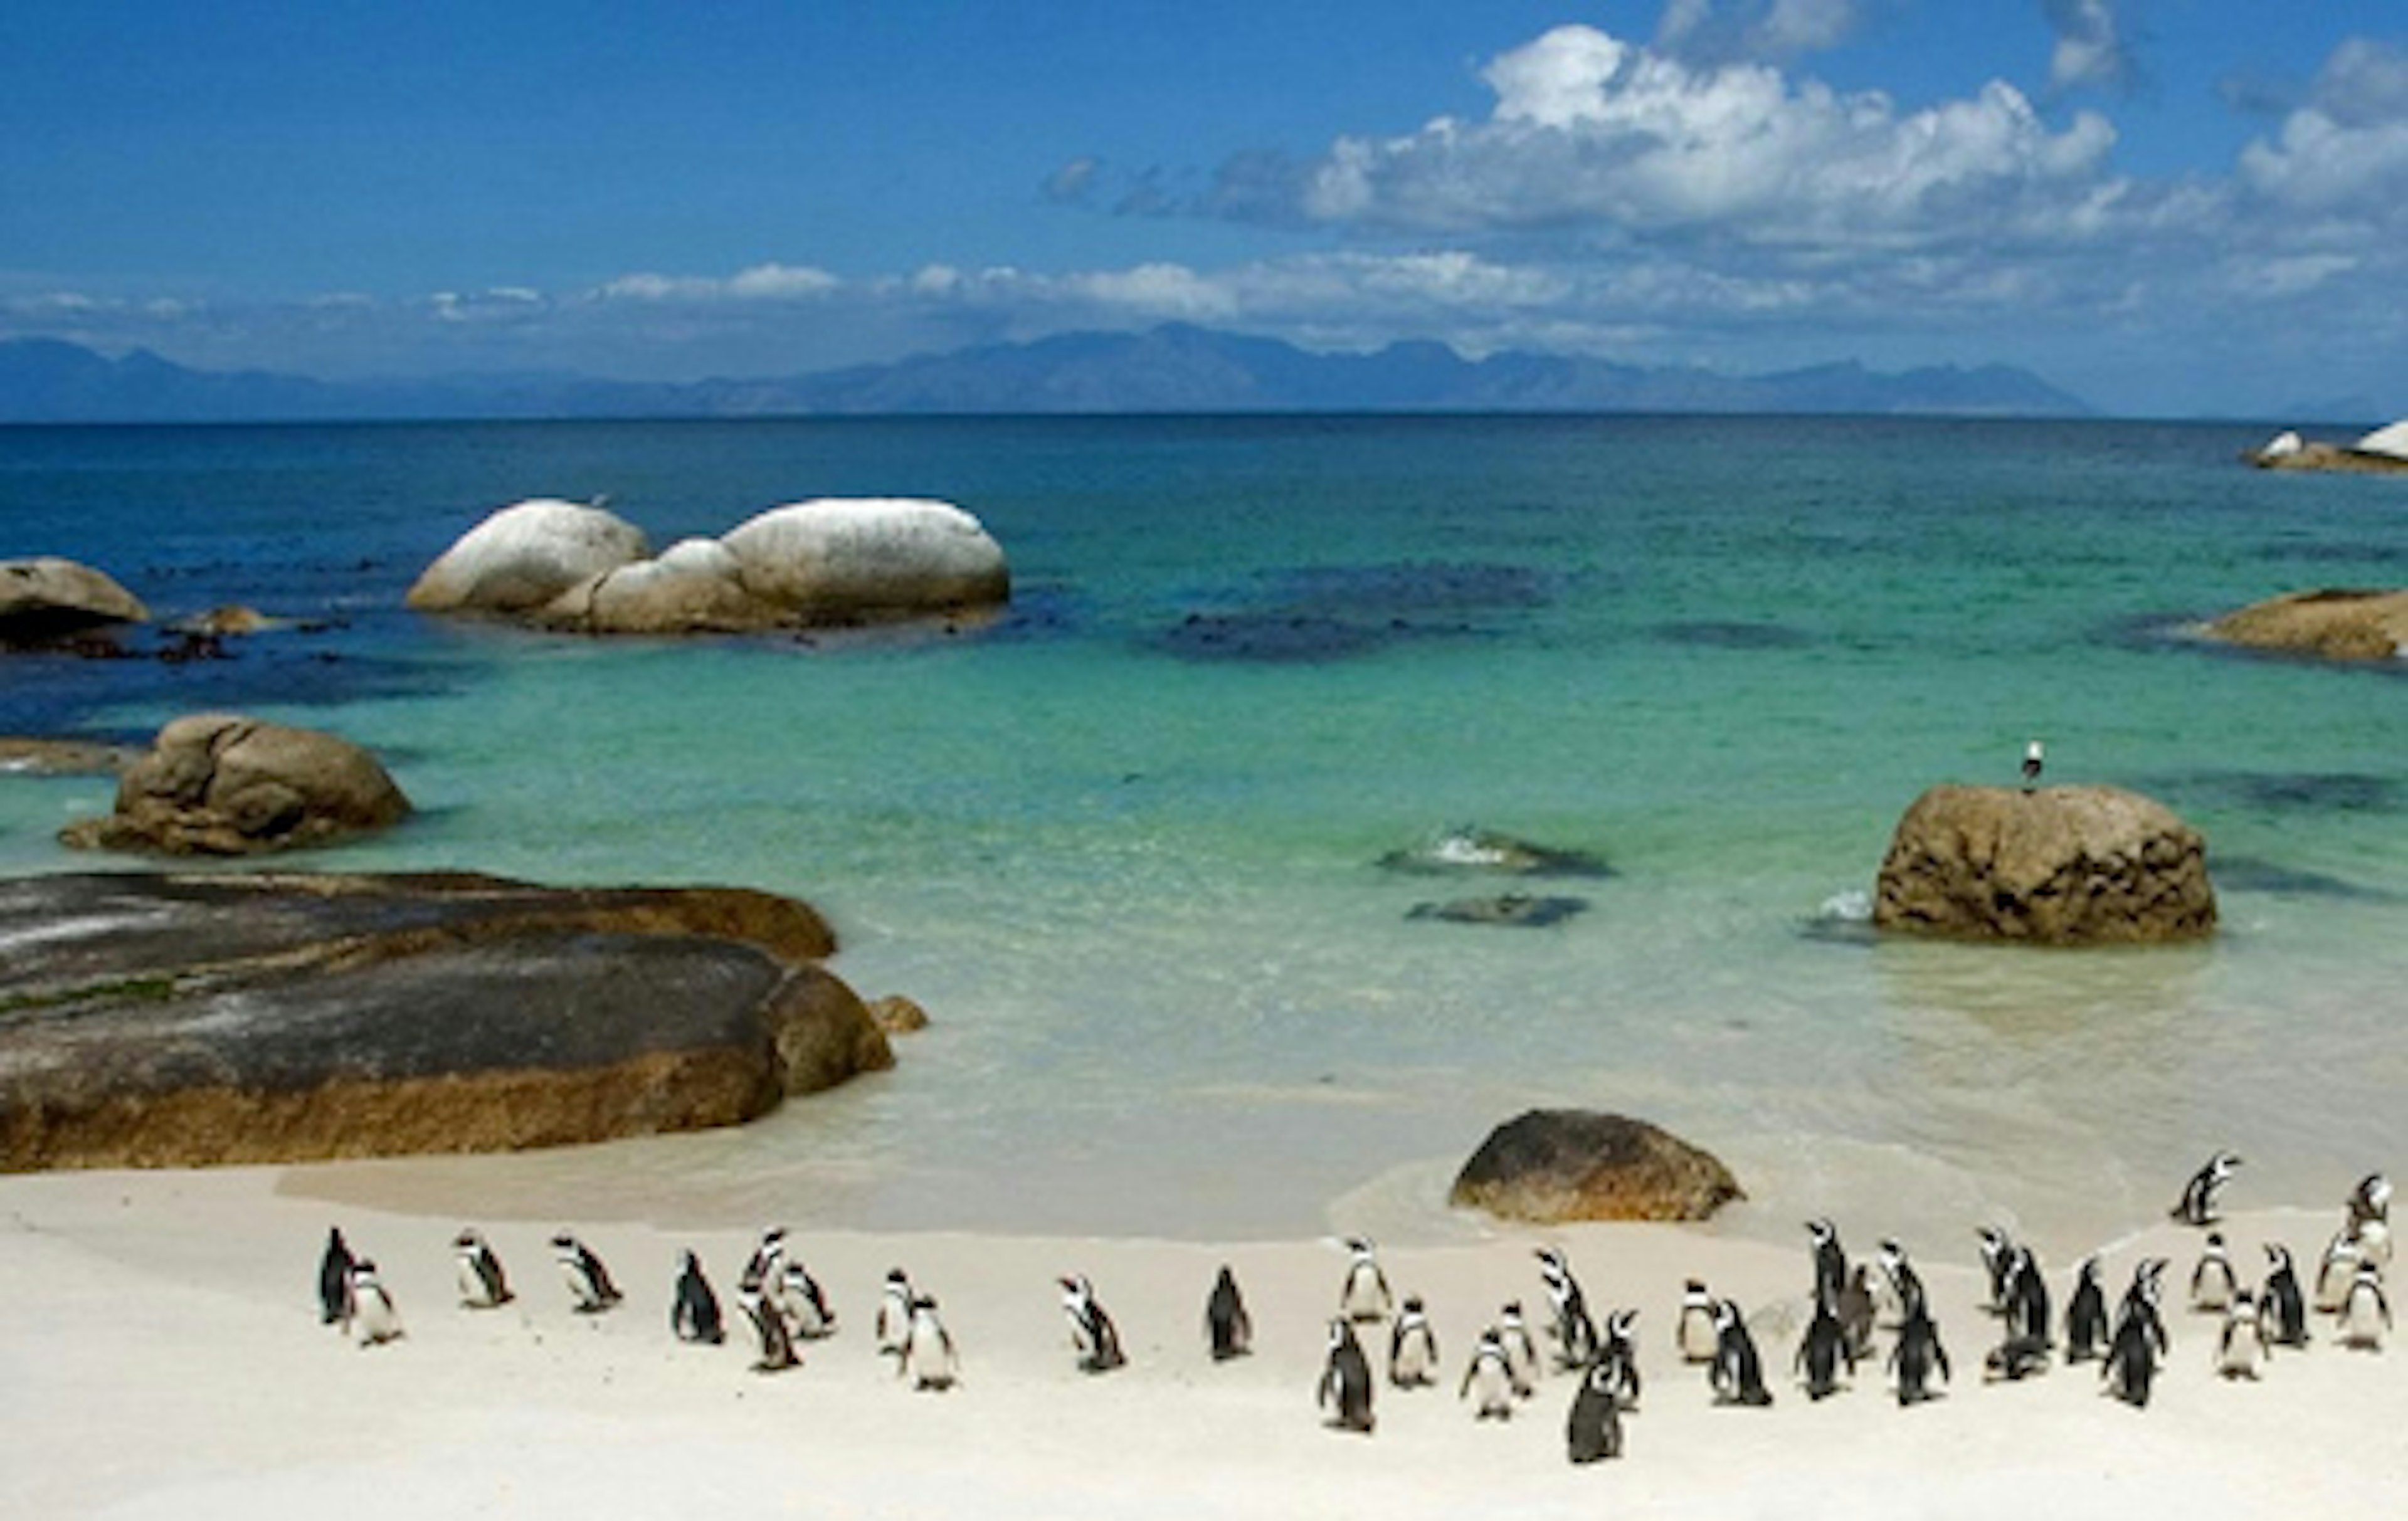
(2336, 623)
(1468, 850)
(525, 555)
(1551, 1165)
(47, 598)
(1523, 911)
(2059, 865)
(2388, 442)
(899, 1016)
(834, 560)
(177, 1021)
(224, 785)
(696, 586)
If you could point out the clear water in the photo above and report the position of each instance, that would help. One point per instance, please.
(1122, 845)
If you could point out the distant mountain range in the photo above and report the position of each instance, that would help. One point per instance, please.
(1174, 369)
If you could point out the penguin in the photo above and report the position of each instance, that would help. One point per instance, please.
(1574, 1332)
(373, 1317)
(1363, 1295)
(1855, 1310)
(2241, 1350)
(2015, 1358)
(1830, 1261)
(798, 1299)
(335, 1282)
(928, 1353)
(1918, 1354)
(589, 1282)
(1996, 1249)
(1493, 1375)
(1521, 1354)
(2365, 1313)
(2280, 1304)
(2086, 1314)
(693, 1309)
(1693, 1332)
(1345, 1387)
(1737, 1373)
(2139, 1341)
(1899, 1275)
(1617, 1355)
(483, 1284)
(2197, 1206)
(2212, 1283)
(2335, 1270)
(2026, 1308)
(761, 1270)
(1823, 1351)
(1592, 1431)
(2370, 1219)
(2035, 757)
(775, 1343)
(895, 1312)
(1093, 1335)
(1227, 1329)
(1412, 1347)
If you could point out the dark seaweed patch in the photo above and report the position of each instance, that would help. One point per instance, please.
(1331, 612)
(1411, 590)
(1274, 637)
(2282, 792)
(1715, 634)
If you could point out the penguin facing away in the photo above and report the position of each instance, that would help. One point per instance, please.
(1917, 1356)
(1493, 1376)
(335, 1280)
(1363, 1294)
(2365, 1313)
(1830, 1261)
(2027, 1307)
(482, 1284)
(1227, 1329)
(1093, 1335)
(2212, 1283)
(1694, 1333)
(2140, 1339)
(927, 1353)
(1737, 1373)
(1345, 1387)
(374, 1319)
(2280, 1305)
(590, 1289)
(1823, 1351)
(1593, 1430)
(2241, 1348)
(894, 1300)
(774, 1344)
(1412, 1347)
(2086, 1314)
(2198, 1204)
(693, 1309)
(1857, 1311)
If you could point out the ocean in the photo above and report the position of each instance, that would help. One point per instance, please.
(1124, 844)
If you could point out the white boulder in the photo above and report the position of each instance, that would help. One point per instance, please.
(2390, 442)
(2281, 446)
(695, 586)
(525, 555)
(834, 558)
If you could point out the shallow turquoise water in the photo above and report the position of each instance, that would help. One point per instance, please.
(1131, 873)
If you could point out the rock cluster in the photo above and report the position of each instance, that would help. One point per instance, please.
(47, 598)
(1550, 1166)
(224, 785)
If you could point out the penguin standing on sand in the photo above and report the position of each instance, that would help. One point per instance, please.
(1617, 1357)
(1830, 1261)
(2140, 1339)
(895, 1312)
(2086, 1314)
(482, 1284)
(2027, 1307)
(1345, 1387)
(1997, 1253)
(1737, 1373)
(1227, 1329)
(2280, 1306)
(1521, 1353)
(2370, 1219)
(693, 1309)
(2365, 1313)
(796, 1295)
(1574, 1332)
(2197, 1206)
(1412, 1347)
(761, 1270)
(775, 1345)
(1592, 1431)
(2035, 756)
(2241, 1350)
(1693, 1332)
(2212, 1283)
(1855, 1309)
(374, 1319)
(1918, 1354)
(1493, 1376)
(1093, 1335)
(1823, 1351)
(590, 1289)
(1905, 1284)
(1363, 1294)
(335, 1280)
(928, 1356)
(2335, 1272)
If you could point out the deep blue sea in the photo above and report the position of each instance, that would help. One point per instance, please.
(1123, 845)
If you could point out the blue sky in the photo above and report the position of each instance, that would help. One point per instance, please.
(2169, 206)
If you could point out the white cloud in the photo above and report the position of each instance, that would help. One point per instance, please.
(2346, 150)
(761, 282)
(1719, 31)
(2091, 47)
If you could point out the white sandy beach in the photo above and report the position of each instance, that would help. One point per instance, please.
(161, 1356)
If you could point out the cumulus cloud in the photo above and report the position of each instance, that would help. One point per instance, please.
(2344, 151)
(2092, 46)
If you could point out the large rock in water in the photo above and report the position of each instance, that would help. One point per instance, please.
(2060, 866)
(1550, 1166)
(524, 555)
(2336, 623)
(48, 598)
(695, 586)
(173, 1021)
(835, 559)
(222, 784)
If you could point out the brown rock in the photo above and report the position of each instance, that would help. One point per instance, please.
(2335, 623)
(899, 1016)
(222, 784)
(2060, 865)
(1554, 1165)
(47, 598)
(2325, 456)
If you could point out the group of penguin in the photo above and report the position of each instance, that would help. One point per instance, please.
(784, 1306)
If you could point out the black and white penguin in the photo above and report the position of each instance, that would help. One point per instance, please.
(1900, 1279)
(1093, 1335)
(1737, 1373)
(895, 1312)
(693, 1309)
(928, 1353)
(482, 1284)
(1592, 1431)
(1617, 1357)
(2365, 1313)
(2370, 1219)
(1227, 1329)
(2213, 1281)
(2241, 1349)
(2197, 1206)
(1363, 1294)
(374, 1319)
(335, 1280)
(1345, 1387)
(1573, 1332)
(2086, 1314)
(590, 1289)
(2016, 1358)
(2028, 1312)
(1521, 1353)
(1823, 1351)
(2035, 757)
(2139, 1339)
(1830, 1261)
(1918, 1354)
(1996, 1252)
(2336, 1270)
(796, 1295)
(1857, 1311)
(774, 1344)
(1412, 1347)
(1693, 1332)
(2281, 1305)
(1492, 1374)
(761, 1270)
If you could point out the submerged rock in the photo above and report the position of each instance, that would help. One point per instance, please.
(2060, 866)
(1519, 910)
(525, 555)
(1465, 849)
(175, 1021)
(45, 599)
(1554, 1165)
(60, 758)
(2337, 623)
(224, 785)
